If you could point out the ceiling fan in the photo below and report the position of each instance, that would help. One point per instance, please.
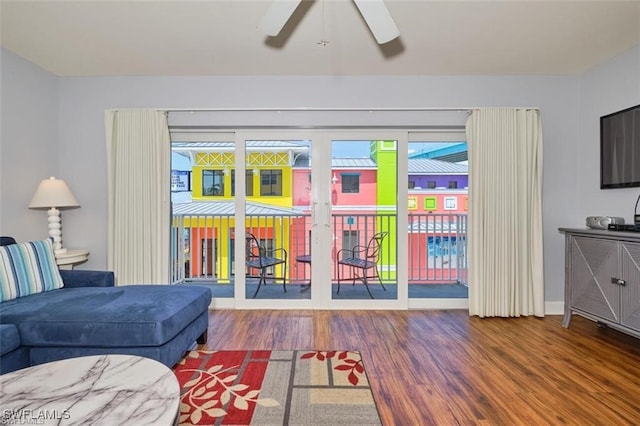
(374, 12)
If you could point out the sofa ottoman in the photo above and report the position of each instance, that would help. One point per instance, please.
(156, 321)
(13, 355)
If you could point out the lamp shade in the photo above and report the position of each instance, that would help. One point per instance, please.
(53, 192)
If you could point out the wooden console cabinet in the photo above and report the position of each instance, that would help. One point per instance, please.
(602, 277)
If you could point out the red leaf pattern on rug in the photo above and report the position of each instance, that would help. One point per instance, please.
(353, 366)
(227, 387)
(212, 388)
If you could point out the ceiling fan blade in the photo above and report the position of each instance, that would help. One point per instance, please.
(277, 16)
(379, 20)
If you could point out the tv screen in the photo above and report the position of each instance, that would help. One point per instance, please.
(620, 149)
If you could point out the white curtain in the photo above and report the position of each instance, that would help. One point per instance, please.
(505, 213)
(139, 173)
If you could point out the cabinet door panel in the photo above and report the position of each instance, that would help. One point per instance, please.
(630, 313)
(594, 262)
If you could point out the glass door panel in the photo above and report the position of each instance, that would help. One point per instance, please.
(437, 181)
(363, 219)
(277, 219)
(201, 211)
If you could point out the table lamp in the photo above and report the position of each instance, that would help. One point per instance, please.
(51, 194)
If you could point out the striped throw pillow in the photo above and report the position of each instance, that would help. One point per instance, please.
(28, 268)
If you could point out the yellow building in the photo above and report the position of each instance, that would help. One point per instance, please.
(208, 219)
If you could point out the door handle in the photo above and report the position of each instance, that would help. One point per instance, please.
(315, 214)
(618, 281)
(327, 223)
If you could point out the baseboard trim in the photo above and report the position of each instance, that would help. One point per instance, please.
(554, 308)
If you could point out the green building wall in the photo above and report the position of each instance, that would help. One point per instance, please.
(385, 154)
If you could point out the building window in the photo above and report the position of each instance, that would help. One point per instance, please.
(453, 184)
(248, 183)
(412, 203)
(430, 203)
(271, 183)
(450, 203)
(412, 184)
(350, 183)
(431, 184)
(213, 183)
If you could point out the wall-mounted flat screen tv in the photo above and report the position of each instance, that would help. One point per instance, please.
(620, 149)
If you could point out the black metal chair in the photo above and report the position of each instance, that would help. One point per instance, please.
(362, 261)
(261, 259)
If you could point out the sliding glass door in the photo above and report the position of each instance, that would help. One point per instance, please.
(320, 224)
(364, 228)
(437, 180)
(322, 219)
(277, 223)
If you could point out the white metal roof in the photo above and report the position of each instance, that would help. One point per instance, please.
(227, 208)
(426, 166)
(231, 146)
(353, 163)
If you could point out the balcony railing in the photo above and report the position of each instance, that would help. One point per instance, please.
(202, 246)
(437, 248)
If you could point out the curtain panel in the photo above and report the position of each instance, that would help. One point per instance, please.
(139, 173)
(505, 245)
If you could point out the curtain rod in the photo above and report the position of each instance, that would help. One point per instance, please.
(311, 109)
(336, 109)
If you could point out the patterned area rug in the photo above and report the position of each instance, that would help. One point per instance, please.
(275, 388)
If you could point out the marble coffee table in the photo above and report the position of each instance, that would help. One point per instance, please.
(91, 390)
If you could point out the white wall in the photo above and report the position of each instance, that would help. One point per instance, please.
(604, 89)
(83, 100)
(81, 148)
(28, 144)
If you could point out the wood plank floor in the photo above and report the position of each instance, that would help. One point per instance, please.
(445, 368)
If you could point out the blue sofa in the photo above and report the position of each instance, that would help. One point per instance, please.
(91, 316)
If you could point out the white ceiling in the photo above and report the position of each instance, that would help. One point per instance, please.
(221, 37)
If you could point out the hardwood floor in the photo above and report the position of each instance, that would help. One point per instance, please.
(445, 368)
